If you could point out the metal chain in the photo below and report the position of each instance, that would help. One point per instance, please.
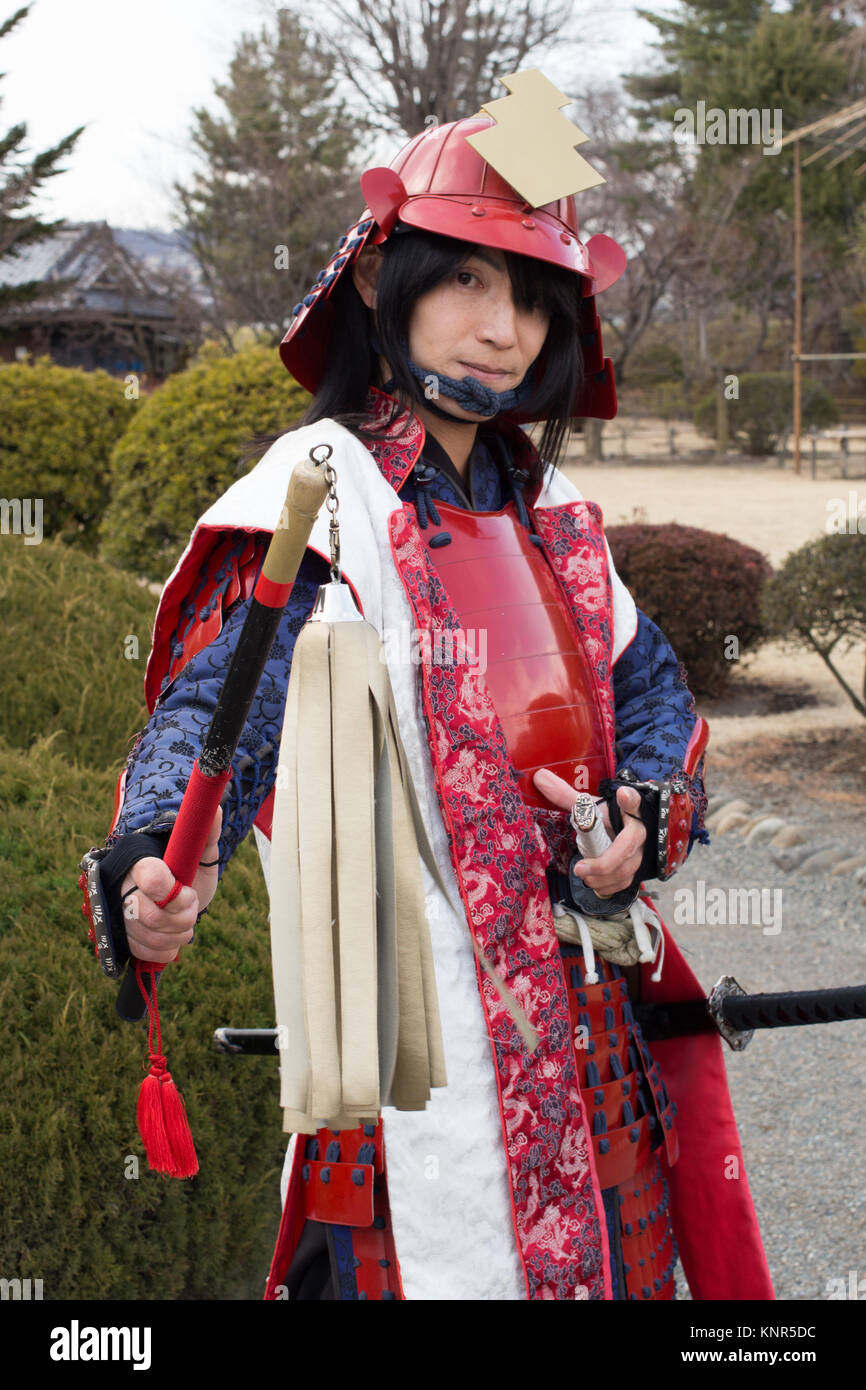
(333, 505)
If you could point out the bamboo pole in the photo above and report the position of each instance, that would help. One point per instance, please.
(798, 304)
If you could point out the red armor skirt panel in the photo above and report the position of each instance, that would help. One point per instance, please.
(517, 625)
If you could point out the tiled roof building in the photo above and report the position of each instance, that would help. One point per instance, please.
(117, 299)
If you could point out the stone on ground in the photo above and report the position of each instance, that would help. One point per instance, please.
(822, 860)
(729, 821)
(722, 810)
(790, 835)
(791, 859)
(765, 829)
(847, 866)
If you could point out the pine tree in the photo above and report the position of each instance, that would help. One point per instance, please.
(740, 56)
(743, 55)
(277, 188)
(696, 47)
(20, 181)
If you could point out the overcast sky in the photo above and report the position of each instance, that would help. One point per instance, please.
(132, 72)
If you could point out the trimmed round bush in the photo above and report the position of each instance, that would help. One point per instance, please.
(817, 599)
(182, 453)
(668, 400)
(655, 364)
(701, 588)
(74, 642)
(84, 1213)
(764, 411)
(58, 426)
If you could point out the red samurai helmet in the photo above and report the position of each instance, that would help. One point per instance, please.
(507, 180)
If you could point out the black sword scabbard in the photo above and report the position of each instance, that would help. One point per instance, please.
(729, 1011)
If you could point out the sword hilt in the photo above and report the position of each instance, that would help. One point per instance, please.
(590, 833)
(736, 1015)
(796, 1008)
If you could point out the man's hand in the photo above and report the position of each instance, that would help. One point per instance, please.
(614, 870)
(157, 933)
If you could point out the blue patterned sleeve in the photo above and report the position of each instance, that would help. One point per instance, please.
(655, 713)
(160, 762)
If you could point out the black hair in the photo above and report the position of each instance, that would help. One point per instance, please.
(414, 262)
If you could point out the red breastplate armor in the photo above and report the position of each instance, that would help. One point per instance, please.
(500, 583)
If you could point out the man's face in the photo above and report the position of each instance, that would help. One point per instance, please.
(469, 325)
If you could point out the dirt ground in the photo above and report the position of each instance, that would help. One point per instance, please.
(649, 439)
(760, 504)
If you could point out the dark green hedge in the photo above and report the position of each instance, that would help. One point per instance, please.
(71, 1071)
(817, 600)
(700, 587)
(58, 426)
(67, 618)
(763, 412)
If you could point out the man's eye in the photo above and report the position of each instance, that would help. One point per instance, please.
(464, 276)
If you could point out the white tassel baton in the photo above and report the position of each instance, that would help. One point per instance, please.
(354, 985)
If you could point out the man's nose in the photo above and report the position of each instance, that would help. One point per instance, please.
(499, 324)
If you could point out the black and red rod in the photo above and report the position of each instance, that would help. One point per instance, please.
(211, 771)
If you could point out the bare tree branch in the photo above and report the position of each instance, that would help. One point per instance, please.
(410, 59)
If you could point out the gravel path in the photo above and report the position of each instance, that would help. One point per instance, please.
(798, 1093)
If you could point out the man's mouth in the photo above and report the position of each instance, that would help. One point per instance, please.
(490, 373)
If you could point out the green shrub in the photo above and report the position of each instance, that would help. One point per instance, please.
(667, 400)
(75, 1214)
(58, 426)
(182, 453)
(700, 587)
(817, 600)
(67, 623)
(654, 364)
(763, 413)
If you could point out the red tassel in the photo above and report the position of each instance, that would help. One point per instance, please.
(161, 1113)
(151, 1123)
(184, 1158)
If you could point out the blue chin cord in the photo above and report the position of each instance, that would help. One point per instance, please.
(468, 391)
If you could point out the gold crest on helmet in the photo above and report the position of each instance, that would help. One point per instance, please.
(532, 145)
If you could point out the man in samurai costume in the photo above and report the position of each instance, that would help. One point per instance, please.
(458, 307)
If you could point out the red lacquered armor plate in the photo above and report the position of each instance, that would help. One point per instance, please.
(536, 672)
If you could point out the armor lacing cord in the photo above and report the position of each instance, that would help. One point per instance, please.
(641, 935)
(518, 478)
(423, 475)
(590, 973)
(648, 914)
(623, 940)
